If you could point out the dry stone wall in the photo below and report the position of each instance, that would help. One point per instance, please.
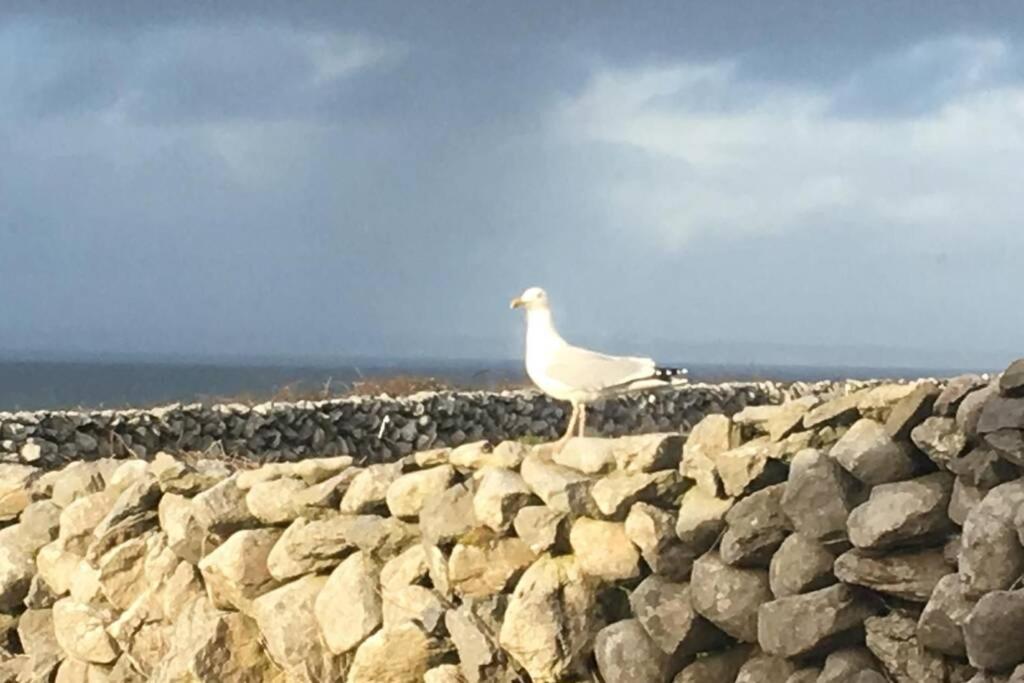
(375, 428)
(871, 536)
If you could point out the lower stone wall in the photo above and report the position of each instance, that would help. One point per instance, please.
(373, 428)
(872, 536)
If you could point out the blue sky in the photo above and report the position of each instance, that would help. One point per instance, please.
(743, 181)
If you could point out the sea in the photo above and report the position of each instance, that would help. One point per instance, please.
(66, 384)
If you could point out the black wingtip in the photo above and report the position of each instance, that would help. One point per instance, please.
(669, 374)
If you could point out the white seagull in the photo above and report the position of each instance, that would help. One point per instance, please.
(576, 375)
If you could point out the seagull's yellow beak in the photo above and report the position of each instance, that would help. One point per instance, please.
(516, 303)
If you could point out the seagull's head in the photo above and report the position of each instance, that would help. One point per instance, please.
(532, 299)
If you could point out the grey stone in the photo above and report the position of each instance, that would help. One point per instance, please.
(941, 626)
(408, 494)
(991, 554)
(615, 493)
(729, 597)
(825, 617)
(626, 654)
(806, 675)
(911, 411)
(838, 411)
(664, 609)
(940, 439)
(474, 628)
(963, 499)
(992, 631)
(843, 665)
(765, 668)
(368, 491)
(969, 412)
(1008, 443)
(1011, 381)
(910, 575)
(717, 666)
(819, 496)
(871, 455)
(652, 530)
(982, 467)
(903, 512)
(755, 527)
(800, 565)
(701, 519)
(893, 640)
(222, 510)
(500, 495)
(447, 517)
(955, 391)
(561, 488)
(1000, 412)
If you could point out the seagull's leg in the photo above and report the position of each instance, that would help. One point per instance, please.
(583, 418)
(572, 424)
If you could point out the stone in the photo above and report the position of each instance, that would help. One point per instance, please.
(445, 673)
(16, 571)
(487, 568)
(603, 550)
(982, 467)
(348, 607)
(701, 519)
(186, 536)
(806, 675)
(288, 621)
(991, 554)
(275, 501)
(963, 499)
(542, 529)
(561, 488)
(500, 495)
(871, 455)
(39, 642)
(911, 411)
(843, 665)
(120, 573)
(432, 457)
(1008, 443)
(955, 391)
(55, 566)
(652, 530)
(222, 509)
(480, 454)
(78, 479)
(626, 654)
(38, 524)
(474, 628)
(15, 489)
(969, 412)
(550, 621)
(408, 568)
(716, 666)
(615, 493)
(800, 625)
(587, 454)
(819, 496)
(778, 421)
(765, 668)
(413, 603)
(401, 654)
(992, 631)
(1000, 412)
(941, 625)
(449, 516)
(369, 489)
(236, 573)
(940, 439)
(80, 518)
(409, 492)
(755, 528)
(648, 452)
(40, 594)
(81, 631)
(317, 545)
(741, 468)
(1011, 381)
(910, 575)
(311, 471)
(841, 410)
(800, 565)
(712, 436)
(903, 512)
(729, 597)
(892, 639)
(175, 476)
(664, 610)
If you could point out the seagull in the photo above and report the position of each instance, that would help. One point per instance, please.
(579, 376)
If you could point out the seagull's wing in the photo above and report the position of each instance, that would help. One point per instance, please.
(586, 370)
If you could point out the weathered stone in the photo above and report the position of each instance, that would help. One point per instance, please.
(445, 673)
(625, 653)
(911, 411)
(311, 471)
(871, 455)
(718, 666)
(413, 603)
(819, 496)
(1011, 381)
(756, 527)
(186, 536)
(969, 412)
(664, 609)
(432, 457)
(940, 439)
(992, 631)
(348, 607)
(542, 529)
(410, 567)
(802, 624)
(587, 454)
(474, 628)
(991, 554)
(81, 631)
(903, 512)
(1008, 443)
(287, 619)
(550, 621)
(16, 571)
(561, 488)
(175, 476)
(983, 467)
(38, 524)
(308, 546)
(765, 668)
(729, 597)
(955, 391)
(85, 583)
(778, 421)
(236, 573)
(276, 501)
(603, 549)
(911, 575)
(500, 495)
(222, 510)
(941, 626)
(712, 436)
(652, 530)
(740, 468)
(80, 518)
(401, 654)
(56, 565)
(701, 519)
(963, 499)
(40, 595)
(449, 516)
(1001, 412)
(367, 493)
(15, 489)
(617, 492)
(480, 454)
(893, 640)
(648, 452)
(38, 640)
(408, 493)
(121, 571)
(800, 565)
(487, 568)
(842, 666)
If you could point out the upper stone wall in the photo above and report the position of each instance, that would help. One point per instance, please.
(375, 428)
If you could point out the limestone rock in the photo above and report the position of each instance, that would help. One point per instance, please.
(80, 518)
(408, 568)
(940, 439)
(16, 571)
(55, 566)
(348, 607)
(222, 509)
(800, 565)
(871, 455)
(1008, 444)
(550, 622)
(701, 519)
(37, 637)
(664, 610)
(561, 488)
(843, 665)
(626, 654)
(902, 512)
(603, 549)
(992, 631)
(910, 575)
(276, 501)
(802, 624)
(963, 499)
(445, 673)
(819, 496)
(1000, 412)
(941, 626)
(729, 597)
(15, 489)
(413, 603)
(186, 536)
(487, 568)
(991, 554)
(911, 411)
(755, 527)
(652, 530)
(765, 668)
(474, 627)
(369, 489)
(587, 454)
(480, 454)
(447, 517)
(77, 480)
(401, 654)
(983, 467)
(955, 391)
(408, 493)
(615, 493)
(893, 640)
(500, 495)
(717, 666)
(542, 529)
(969, 412)
(81, 631)
(712, 436)
(236, 573)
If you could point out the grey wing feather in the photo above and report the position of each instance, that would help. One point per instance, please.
(576, 367)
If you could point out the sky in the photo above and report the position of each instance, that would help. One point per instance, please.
(819, 182)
